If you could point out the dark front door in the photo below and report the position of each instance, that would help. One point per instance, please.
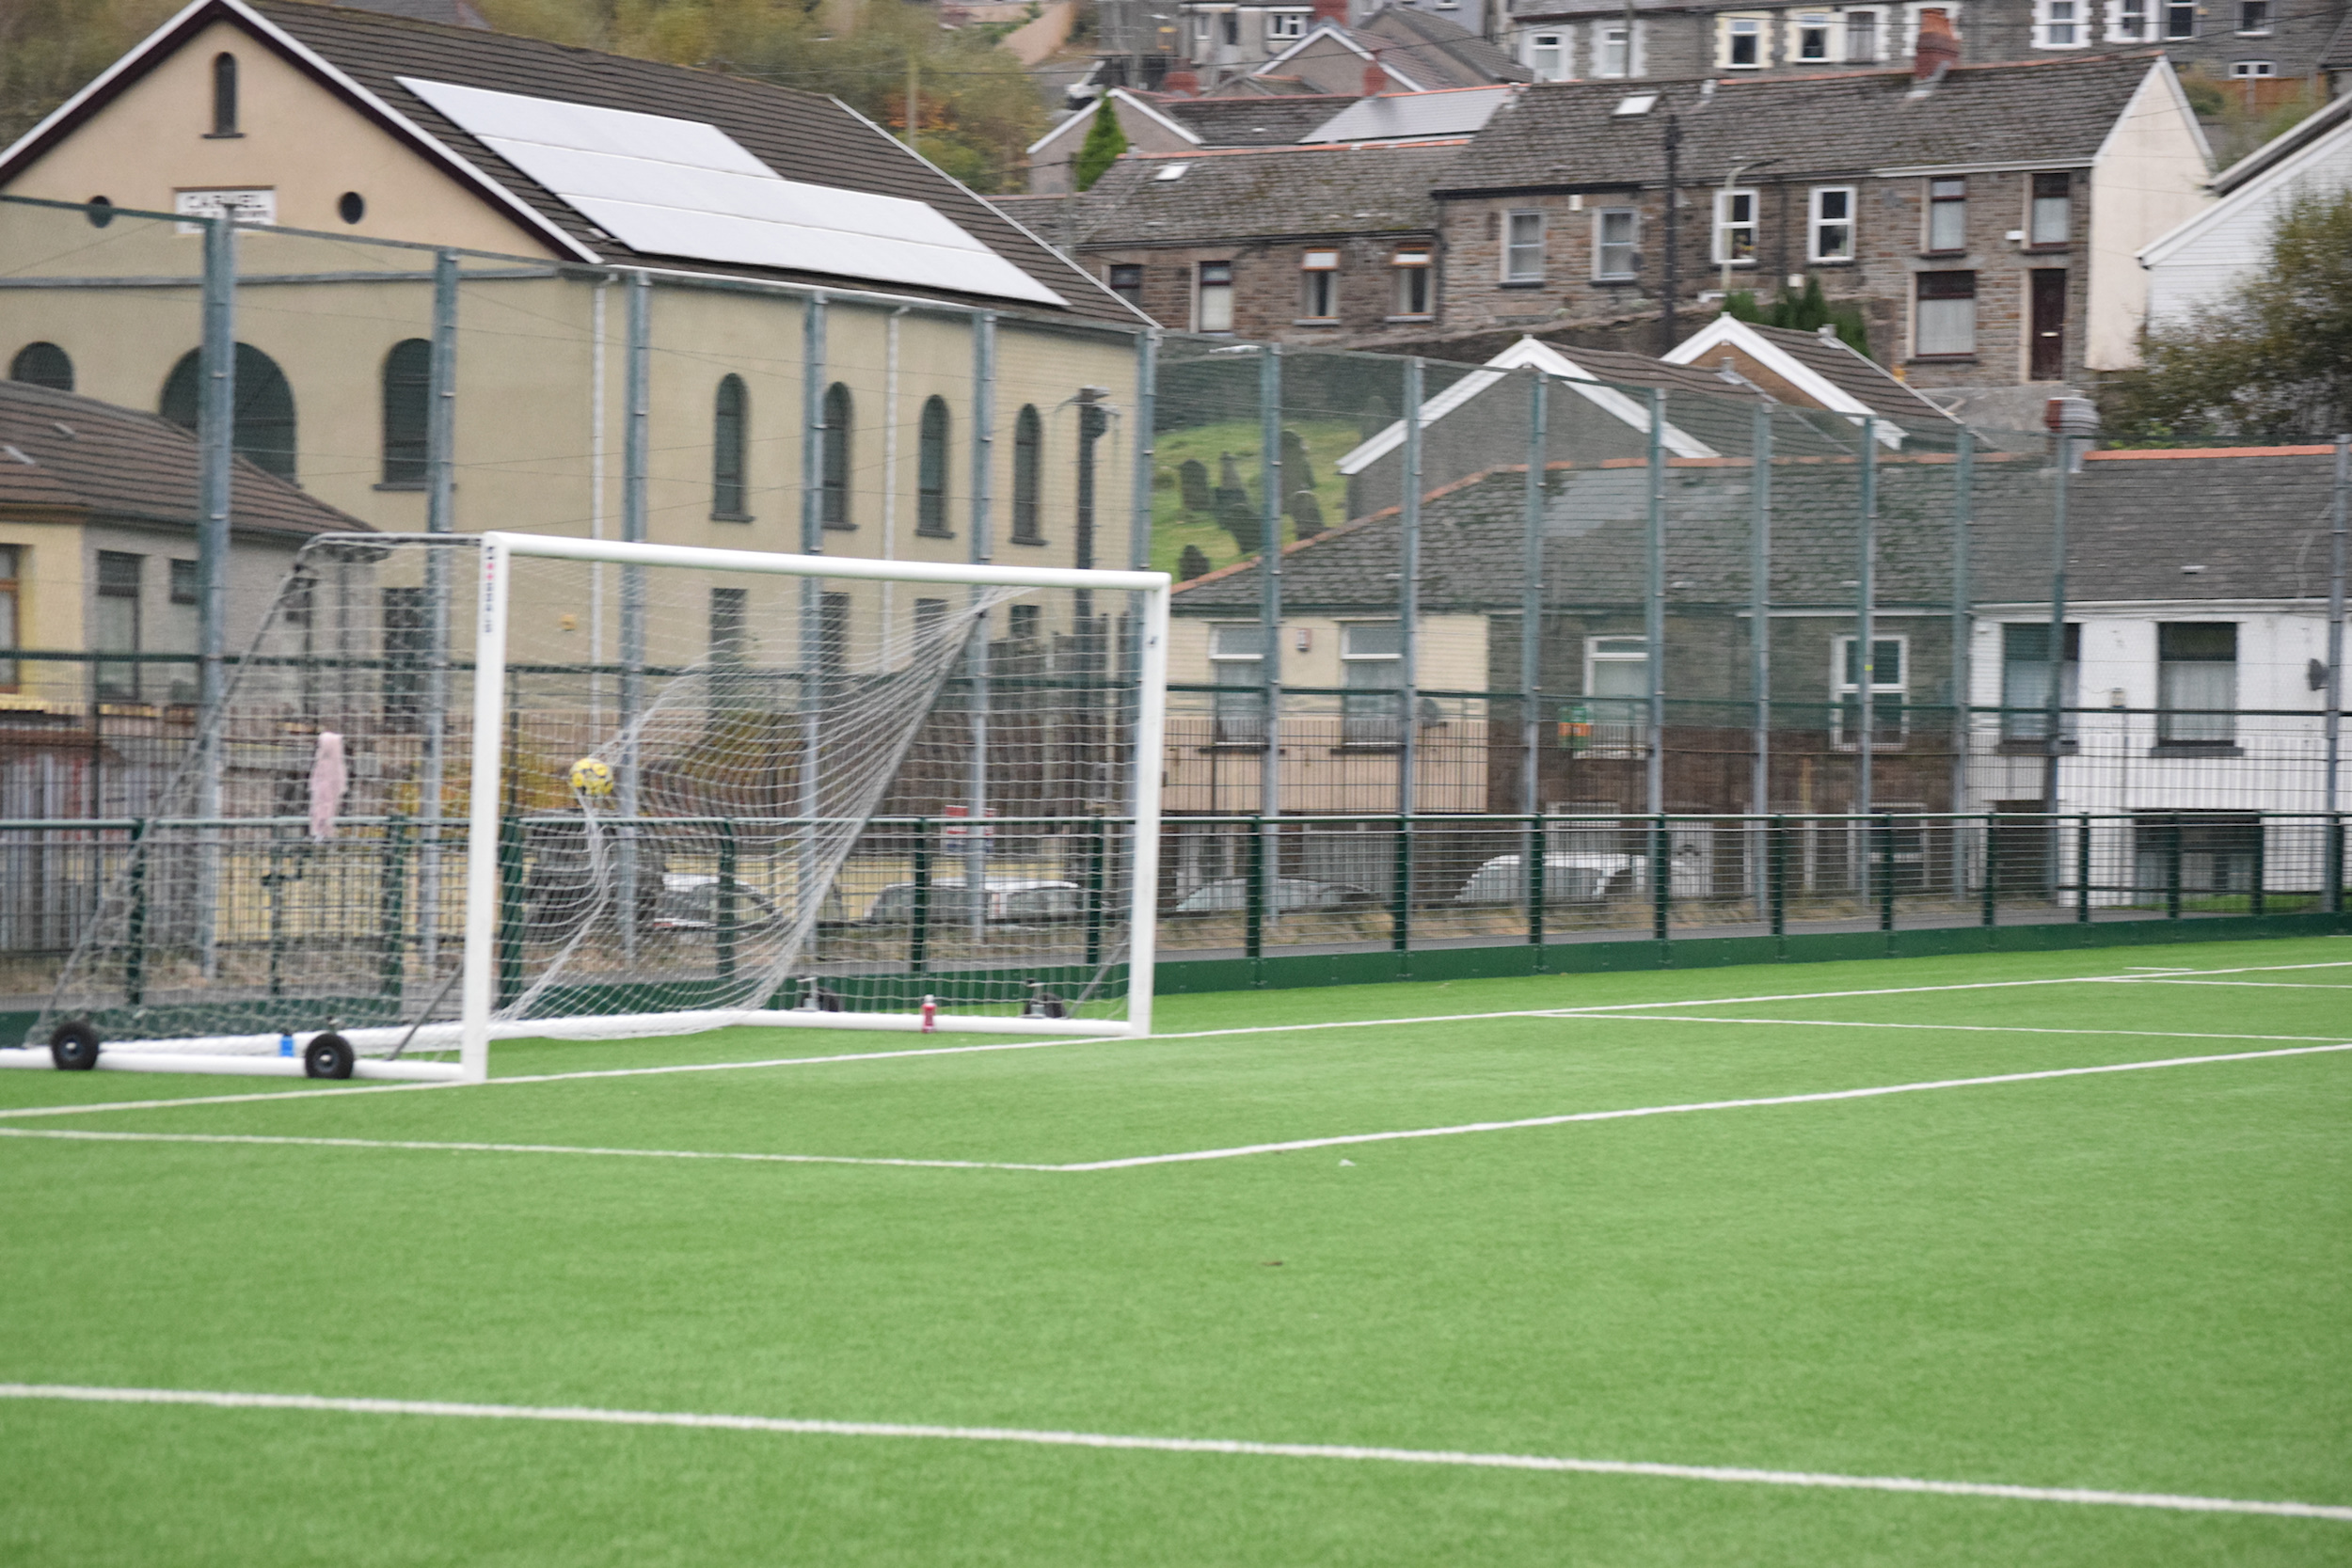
(2049, 324)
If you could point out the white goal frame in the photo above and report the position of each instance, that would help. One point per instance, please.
(476, 1028)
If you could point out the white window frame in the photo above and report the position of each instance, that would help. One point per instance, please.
(1720, 252)
(2131, 21)
(1798, 23)
(1555, 45)
(1843, 690)
(1607, 35)
(2062, 24)
(2169, 11)
(1917, 309)
(2253, 70)
(1728, 27)
(1875, 31)
(1602, 246)
(1201, 287)
(1319, 273)
(2269, 20)
(1286, 24)
(1406, 266)
(1621, 730)
(1816, 222)
(1926, 219)
(2035, 238)
(1514, 247)
(1238, 672)
(1370, 715)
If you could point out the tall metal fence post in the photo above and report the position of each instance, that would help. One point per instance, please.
(2332, 800)
(636, 464)
(1887, 871)
(1992, 875)
(1270, 590)
(1408, 596)
(440, 442)
(1253, 904)
(393, 909)
(216, 436)
(919, 928)
(1532, 594)
(1401, 896)
(1779, 878)
(1963, 623)
(1760, 623)
(2173, 867)
(813, 656)
(1661, 879)
(726, 915)
(976, 842)
(1653, 603)
(1098, 857)
(1864, 661)
(2053, 700)
(2259, 904)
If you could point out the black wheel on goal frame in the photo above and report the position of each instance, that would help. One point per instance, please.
(328, 1055)
(73, 1046)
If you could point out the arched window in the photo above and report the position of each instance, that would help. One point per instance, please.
(833, 471)
(224, 95)
(407, 412)
(726, 450)
(1029, 439)
(930, 478)
(263, 430)
(43, 365)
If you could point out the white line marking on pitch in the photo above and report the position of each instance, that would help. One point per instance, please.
(1962, 1028)
(1601, 1011)
(2257, 985)
(587, 1415)
(1136, 1160)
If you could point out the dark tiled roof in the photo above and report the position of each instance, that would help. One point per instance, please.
(1252, 121)
(2133, 523)
(801, 135)
(111, 462)
(449, 13)
(1438, 53)
(2338, 54)
(1272, 86)
(1346, 188)
(1851, 373)
(1532, 11)
(2257, 521)
(1565, 133)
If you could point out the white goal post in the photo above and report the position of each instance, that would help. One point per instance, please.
(486, 897)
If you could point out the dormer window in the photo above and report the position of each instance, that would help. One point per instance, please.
(225, 96)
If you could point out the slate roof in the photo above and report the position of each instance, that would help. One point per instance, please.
(1345, 188)
(1860, 378)
(2135, 520)
(60, 450)
(1567, 134)
(1252, 121)
(1438, 53)
(450, 13)
(801, 135)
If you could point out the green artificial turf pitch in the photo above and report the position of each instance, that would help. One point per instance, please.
(2128, 1282)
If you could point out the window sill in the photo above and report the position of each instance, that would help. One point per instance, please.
(224, 135)
(1830, 262)
(1315, 321)
(1628, 281)
(833, 528)
(933, 533)
(1944, 256)
(731, 517)
(1030, 539)
(2037, 748)
(1942, 359)
(2196, 748)
(2059, 248)
(1734, 264)
(419, 486)
(1521, 283)
(1425, 316)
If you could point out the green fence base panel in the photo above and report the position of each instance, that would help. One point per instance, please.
(1284, 972)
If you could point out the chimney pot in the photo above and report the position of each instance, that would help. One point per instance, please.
(1181, 84)
(1334, 11)
(1375, 79)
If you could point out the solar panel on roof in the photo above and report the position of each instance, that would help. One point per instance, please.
(679, 188)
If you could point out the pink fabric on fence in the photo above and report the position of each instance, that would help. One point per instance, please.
(329, 777)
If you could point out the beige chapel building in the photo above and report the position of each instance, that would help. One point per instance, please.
(837, 344)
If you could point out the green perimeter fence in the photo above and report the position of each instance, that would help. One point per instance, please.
(255, 920)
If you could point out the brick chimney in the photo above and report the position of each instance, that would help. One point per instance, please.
(1333, 12)
(1181, 84)
(1375, 78)
(1938, 49)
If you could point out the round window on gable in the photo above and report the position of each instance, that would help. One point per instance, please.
(352, 206)
(100, 212)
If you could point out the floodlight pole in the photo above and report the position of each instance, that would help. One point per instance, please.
(1963, 614)
(984, 550)
(217, 436)
(440, 432)
(2333, 801)
(1269, 607)
(812, 606)
(2053, 697)
(1760, 609)
(636, 458)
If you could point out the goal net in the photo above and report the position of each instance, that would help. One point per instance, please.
(468, 788)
